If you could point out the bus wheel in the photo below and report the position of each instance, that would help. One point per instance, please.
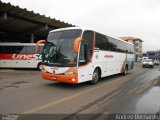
(95, 76)
(125, 71)
(39, 66)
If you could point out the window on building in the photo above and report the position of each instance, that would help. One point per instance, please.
(136, 44)
(151, 54)
(136, 49)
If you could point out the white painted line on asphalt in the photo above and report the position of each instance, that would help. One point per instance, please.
(52, 103)
(33, 110)
(2, 71)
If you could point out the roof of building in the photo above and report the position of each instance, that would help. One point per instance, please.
(14, 19)
(31, 16)
(130, 38)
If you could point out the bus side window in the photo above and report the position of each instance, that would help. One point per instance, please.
(6, 49)
(118, 46)
(101, 42)
(19, 49)
(40, 51)
(83, 54)
(88, 40)
(30, 49)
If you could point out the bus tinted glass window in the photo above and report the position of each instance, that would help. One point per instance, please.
(88, 37)
(6, 49)
(113, 46)
(19, 49)
(88, 40)
(83, 55)
(65, 56)
(63, 42)
(40, 49)
(66, 34)
(117, 45)
(101, 41)
(30, 49)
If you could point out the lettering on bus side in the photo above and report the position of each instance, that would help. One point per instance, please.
(26, 57)
(108, 56)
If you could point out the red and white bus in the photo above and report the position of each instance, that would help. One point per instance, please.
(20, 55)
(75, 55)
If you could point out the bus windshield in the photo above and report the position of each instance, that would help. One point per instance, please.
(58, 51)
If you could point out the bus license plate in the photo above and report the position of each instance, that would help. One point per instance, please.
(53, 78)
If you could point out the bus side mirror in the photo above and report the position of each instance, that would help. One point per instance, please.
(76, 44)
(37, 44)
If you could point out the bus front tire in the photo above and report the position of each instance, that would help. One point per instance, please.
(39, 66)
(95, 77)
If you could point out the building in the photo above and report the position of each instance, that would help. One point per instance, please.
(155, 55)
(137, 45)
(20, 25)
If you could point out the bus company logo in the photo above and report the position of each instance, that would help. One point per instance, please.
(26, 57)
(54, 69)
(108, 56)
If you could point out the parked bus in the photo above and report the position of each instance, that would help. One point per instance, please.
(20, 55)
(75, 55)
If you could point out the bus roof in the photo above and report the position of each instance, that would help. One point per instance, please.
(19, 44)
(86, 28)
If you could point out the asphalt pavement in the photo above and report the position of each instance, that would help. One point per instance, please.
(23, 91)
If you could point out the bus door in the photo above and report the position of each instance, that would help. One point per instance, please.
(85, 68)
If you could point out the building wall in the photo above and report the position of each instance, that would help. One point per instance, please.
(137, 47)
(155, 55)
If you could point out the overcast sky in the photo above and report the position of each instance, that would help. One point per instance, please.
(137, 18)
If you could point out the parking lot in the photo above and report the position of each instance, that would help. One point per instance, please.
(24, 91)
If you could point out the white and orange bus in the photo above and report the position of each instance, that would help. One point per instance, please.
(75, 55)
(20, 55)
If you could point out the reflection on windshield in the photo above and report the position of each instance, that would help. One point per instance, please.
(59, 48)
(48, 53)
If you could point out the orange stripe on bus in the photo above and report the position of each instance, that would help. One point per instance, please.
(60, 78)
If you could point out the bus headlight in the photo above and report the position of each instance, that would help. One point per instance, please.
(73, 79)
(68, 73)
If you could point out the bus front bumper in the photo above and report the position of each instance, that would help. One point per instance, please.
(72, 79)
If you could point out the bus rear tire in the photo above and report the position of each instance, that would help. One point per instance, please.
(39, 66)
(95, 77)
